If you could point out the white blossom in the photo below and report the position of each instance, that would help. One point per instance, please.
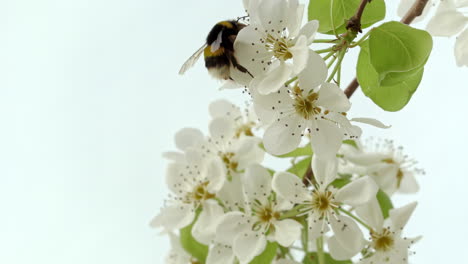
(185, 139)
(247, 231)
(191, 184)
(447, 21)
(320, 204)
(244, 122)
(274, 46)
(386, 243)
(237, 153)
(391, 169)
(309, 106)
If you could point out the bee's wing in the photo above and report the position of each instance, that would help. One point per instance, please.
(191, 61)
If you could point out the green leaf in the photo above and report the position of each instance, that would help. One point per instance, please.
(300, 168)
(342, 181)
(351, 142)
(192, 246)
(396, 47)
(312, 258)
(385, 203)
(394, 91)
(299, 152)
(395, 97)
(267, 256)
(339, 11)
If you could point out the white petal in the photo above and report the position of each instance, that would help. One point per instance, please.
(215, 174)
(338, 252)
(231, 194)
(267, 106)
(309, 30)
(188, 137)
(371, 214)
(400, 216)
(174, 217)
(245, 51)
(220, 254)
(294, 16)
(175, 179)
(333, 98)
(220, 108)
(300, 52)
(194, 156)
(370, 121)
(461, 49)
(174, 156)
(257, 183)
(287, 231)
(272, 14)
(273, 80)
(239, 79)
(447, 23)
(248, 245)
(204, 229)
(325, 170)
(461, 3)
(363, 158)
(230, 225)
(283, 136)
(357, 192)
(409, 183)
(327, 140)
(347, 233)
(254, 155)
(316, 225)
(290, 187)
(222, 128)
(314, 74)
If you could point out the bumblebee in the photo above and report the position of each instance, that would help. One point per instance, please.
(219, 51)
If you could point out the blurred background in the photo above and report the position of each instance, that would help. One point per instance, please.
(90, 98)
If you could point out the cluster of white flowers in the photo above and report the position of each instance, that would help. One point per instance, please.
(237, 208)
(449, 19)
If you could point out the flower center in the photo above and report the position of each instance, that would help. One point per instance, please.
(399, 175)
(305, 105)
(227, 158)
(200, 192)
(266, 214)
(245, 129)
(279, 46)
(323, 202)
(383, 241)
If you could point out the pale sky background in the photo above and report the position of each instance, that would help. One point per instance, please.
(90, 98)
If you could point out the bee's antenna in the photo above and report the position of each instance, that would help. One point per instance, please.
(242, 18)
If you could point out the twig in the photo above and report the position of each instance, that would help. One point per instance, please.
(354, 23)
(309, 176)
(415, 11)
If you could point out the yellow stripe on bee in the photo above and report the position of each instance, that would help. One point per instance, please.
(208, 53)
(226, 24)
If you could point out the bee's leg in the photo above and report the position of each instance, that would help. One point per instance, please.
(237, 65)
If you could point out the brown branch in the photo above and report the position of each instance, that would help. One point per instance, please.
(309, 176)
(351, 88)
(415, 11)
(354, 23)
